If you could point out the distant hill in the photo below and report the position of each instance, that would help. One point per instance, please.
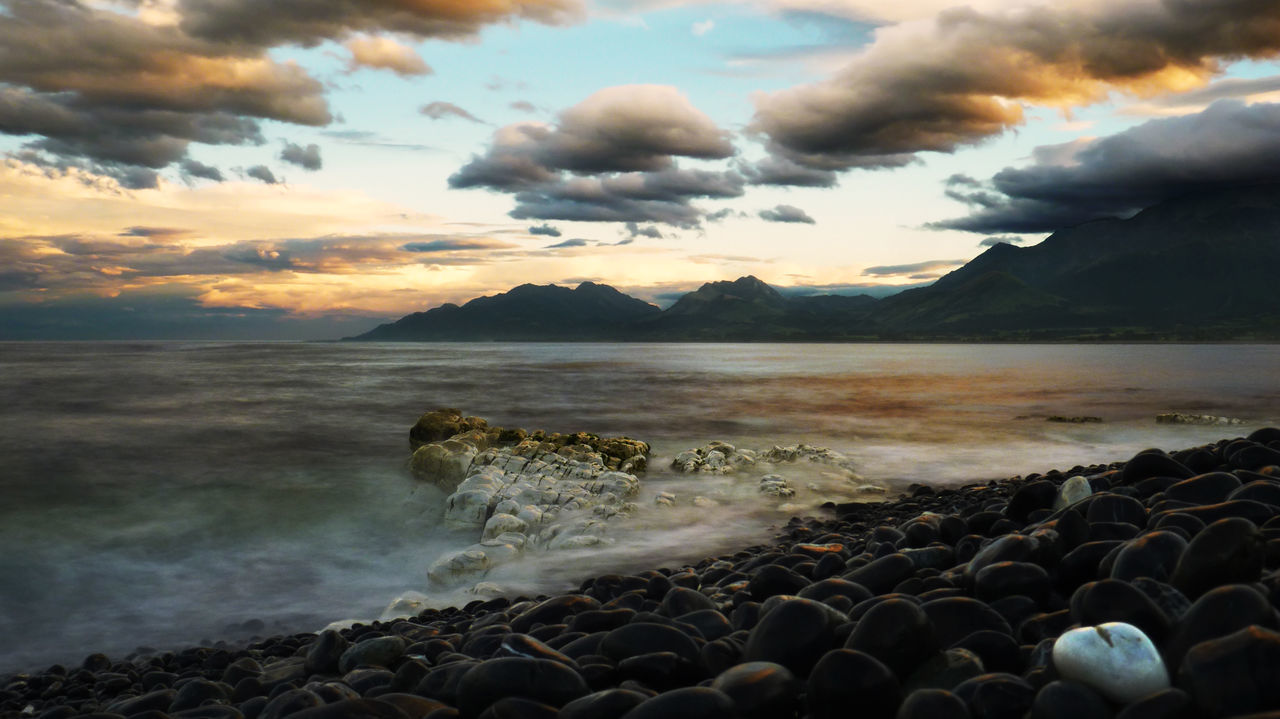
(1198, 268)
(525, 313)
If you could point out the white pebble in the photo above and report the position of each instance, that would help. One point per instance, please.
(1116, 659)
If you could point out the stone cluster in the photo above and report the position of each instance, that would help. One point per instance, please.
(1136, 590)
(518, 490)
(1183, 418)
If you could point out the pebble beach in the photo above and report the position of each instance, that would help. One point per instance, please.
(1140, 588)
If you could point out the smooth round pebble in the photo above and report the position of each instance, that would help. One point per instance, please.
(1115, 658)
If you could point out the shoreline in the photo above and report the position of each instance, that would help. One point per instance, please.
(992, 559)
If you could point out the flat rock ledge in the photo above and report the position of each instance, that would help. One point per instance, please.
(1144, 588)
(519, 490)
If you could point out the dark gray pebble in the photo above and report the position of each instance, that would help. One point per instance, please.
(1227, 551)
(1062, 699)
(760, 690)
(898, 633)
(542, 679)
(932, 704)
(844, 679)
(954, 618)
(997, 696)
(608, 704)
(795, 635)
(1235, 674)
(686, 703)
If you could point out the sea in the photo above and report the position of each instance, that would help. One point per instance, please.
(155, 495)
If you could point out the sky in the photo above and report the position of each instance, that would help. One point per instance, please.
(307, 169)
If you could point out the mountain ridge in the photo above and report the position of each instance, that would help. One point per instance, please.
(1199, 268)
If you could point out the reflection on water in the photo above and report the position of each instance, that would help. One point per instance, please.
(156, 492)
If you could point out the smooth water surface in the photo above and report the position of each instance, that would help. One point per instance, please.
(162, 493)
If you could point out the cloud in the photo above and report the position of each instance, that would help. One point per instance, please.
(610, 158)
(163, 232)
(372, 139)
(663, 197)
(455, 245)
(633, 128)
(307, 157)
(1196, 100)
(916, 270)
(523, 106)
(383, 53)
(1230, 144)
(723, 214)
(1002, 240)
(786, 213)
(440, 110)
(784, 172)
(568, 243)
(544, 229)
(634, 230)
(111, 93)
(703, 27)
(308, 22)
(263, 173)
(965, 75)
(192, 168)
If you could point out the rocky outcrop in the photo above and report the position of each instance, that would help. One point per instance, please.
(1206, 419)
(519, 491)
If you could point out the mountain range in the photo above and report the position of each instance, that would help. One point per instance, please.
(1199, 268)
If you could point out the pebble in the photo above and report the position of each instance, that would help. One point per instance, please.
(1115, 659)
(844, 679)
(952, 602)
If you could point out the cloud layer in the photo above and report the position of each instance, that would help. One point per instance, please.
(610, 158)
(965, 75)
(1229, 144)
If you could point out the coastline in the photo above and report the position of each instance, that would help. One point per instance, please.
(970, 588)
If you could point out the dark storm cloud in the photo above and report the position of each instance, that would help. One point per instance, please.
(308, 158)
(634, 230)
(544, 229)
(192, 168)
(1229, 144)
(1001, 240)
(663, 197)
(723, 214)
(783, 172)
(309, 22)
(112, 92)
(963, 76)
(610, 158)
(440, 110)
(786, 213)
(263, 173)
(914, 269)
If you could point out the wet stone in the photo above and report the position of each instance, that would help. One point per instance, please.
(681, 600)
(932, 704)
(760, 690)
(607, 704)
(519, 708)
(1111, 600)
(1170, 703)
(1003, 579)
(710, 623)
(353, 709)
(1228, 551)
(290, 702)
(794, 634)
(645, 638)
(1154, 554)
(996, 696)
(544, 680)
(844, 680)
(325, 651)
(1110, 507)
(1068, 700)
(954, 618)
(896, 632)
(1149, 463)
(946, 670)
(882, 574)
(771, 580)
(197, 692)
(686, 703)
(1115, 659)
(1235, 674)
(378, 651)
(1216, 614)
(1209, 488)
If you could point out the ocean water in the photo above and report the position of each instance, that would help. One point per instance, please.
(164, 493)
